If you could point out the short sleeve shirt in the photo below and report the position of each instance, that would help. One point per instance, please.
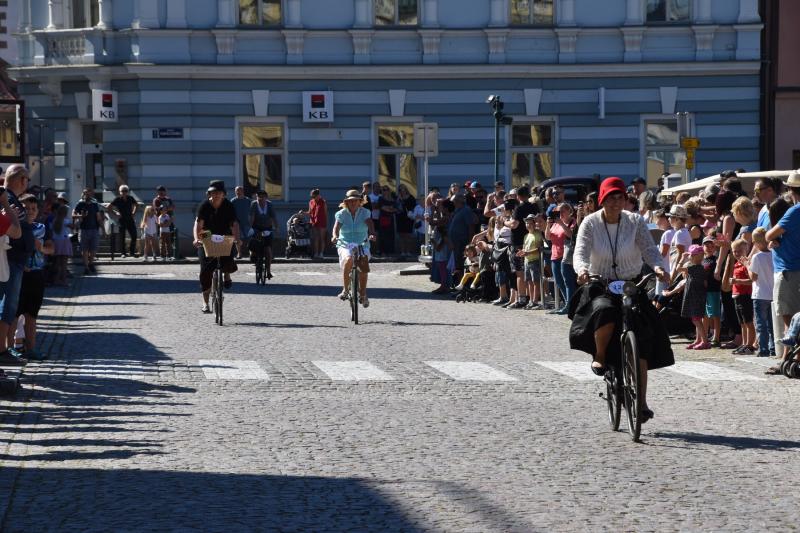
(352, 227)
(125, 206)
(533, 241)
(520, 212)
(262, 217)
(557, 238)
(217, 221)
(666, 239)
(761, 266)
(740, 272)
(42, 233)
(710, 265)
(242, 208)
(90, 209)
(786, 257)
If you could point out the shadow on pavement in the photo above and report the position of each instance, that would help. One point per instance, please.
(146, 500)
(736, 443)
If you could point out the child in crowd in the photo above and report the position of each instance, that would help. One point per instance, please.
(149, 227)
(694, 295)
(742, 290)
(442, 250)
(530, 251)
(713, 314)
(31, 294)
(471, 270)
(62, 245)
(165, 230)
(681, 239)
(762, 275)
(663, 247)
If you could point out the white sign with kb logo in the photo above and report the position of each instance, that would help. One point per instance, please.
(104, 106)
(318, 106)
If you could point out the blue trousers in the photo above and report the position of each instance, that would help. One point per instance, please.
(570, 279)
(762, 309)
(558, 275)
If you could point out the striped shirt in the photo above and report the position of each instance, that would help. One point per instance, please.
(593, 250)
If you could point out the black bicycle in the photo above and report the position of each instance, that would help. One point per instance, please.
(216, 251)
(260, 252)
(623, 385)
(356, 252)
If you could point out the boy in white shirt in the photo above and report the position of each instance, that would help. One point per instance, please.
(681, 239)
(761, 273)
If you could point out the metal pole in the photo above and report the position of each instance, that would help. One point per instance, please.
(496, 149)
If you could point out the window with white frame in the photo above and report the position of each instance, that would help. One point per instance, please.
(396, 164)
(532, 153)
(668, 11)
(662, 150)
(263, 154)
(396, 12)
(260, 13)
(85, 13)
(532, 12)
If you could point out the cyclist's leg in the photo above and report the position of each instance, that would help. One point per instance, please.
(346, 268)
(602, 338)
(363, 278)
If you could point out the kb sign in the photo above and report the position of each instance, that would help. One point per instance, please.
(318, 106)
(104, 106)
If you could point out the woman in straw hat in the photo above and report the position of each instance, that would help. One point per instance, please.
(353, 227)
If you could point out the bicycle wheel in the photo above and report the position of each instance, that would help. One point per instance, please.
(213, 296)
(263, 263)
(354, 293)
(613, 398)
(219, 295)
(259, 270)
(631, 383)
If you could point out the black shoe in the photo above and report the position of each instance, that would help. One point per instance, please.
(598, 370)
(9, 359)
(92, 269)
(269, 275)
(647, 414)
(517, 305)
(228, 283)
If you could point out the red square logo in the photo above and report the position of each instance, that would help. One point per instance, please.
(317, 101)
(108, 100)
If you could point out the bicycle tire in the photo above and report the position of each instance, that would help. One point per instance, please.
(631, 383)
(213, 296)
(259, 270)
(263, 261)
(613, 399)
(220, 283)
(354, 293)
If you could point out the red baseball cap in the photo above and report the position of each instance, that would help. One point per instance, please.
(610, 186)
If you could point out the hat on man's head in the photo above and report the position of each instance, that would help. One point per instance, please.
(707, 239)
(161, 188)
(475, 185)
(793, 180)
(710, 191)
(530, 218)
(610, 186)
(352, 194)
(677, 211)
(216, 185)
(727, 174)
(639, 180)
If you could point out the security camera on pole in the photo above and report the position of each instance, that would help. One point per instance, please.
(499, 118)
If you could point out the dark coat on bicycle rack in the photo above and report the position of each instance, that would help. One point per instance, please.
(592, 307)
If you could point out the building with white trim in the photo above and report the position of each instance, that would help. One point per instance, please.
(209, 89)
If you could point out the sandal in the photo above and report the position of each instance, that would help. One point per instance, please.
(598, 370)
(702, 346)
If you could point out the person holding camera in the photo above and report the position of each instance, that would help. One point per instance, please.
(559, 229)
(518, 232)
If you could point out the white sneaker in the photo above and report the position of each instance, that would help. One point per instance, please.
(344, 295)
(206, 309)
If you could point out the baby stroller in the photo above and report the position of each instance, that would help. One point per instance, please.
(790, 366)
(298, 232)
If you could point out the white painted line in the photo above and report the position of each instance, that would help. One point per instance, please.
(766, 362)
(708, 372)
(226, 369)
(301, 273)
(162, 275)
(352, 371)
(578, 370)
(469, 371)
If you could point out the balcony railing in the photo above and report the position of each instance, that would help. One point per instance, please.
(70, 47)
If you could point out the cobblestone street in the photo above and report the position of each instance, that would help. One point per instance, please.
(428, 416)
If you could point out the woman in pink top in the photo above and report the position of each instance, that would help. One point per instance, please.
(318, 212)
(559, 230)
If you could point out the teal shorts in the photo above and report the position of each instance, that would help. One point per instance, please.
(713, 305)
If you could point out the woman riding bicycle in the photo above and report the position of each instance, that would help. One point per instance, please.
(612, 244)
(353, 228)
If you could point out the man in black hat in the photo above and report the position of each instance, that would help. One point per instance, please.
(639, 186)
(218, 216)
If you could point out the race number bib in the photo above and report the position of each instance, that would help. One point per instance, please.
(616, 287)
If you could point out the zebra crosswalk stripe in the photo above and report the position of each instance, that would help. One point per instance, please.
(352, 371)
(469, 371)
(227, 369)
(578, 370)
(708, 372)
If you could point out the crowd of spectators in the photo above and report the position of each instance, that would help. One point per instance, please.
(734, 260)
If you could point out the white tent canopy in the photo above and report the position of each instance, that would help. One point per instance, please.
(748, 180)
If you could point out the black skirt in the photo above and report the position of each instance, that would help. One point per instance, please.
(591, 308)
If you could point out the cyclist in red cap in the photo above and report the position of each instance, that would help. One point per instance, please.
(614, 244)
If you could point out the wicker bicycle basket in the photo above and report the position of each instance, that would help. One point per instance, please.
(218, 249)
